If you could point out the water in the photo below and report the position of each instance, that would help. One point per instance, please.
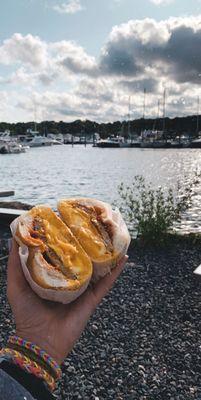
(45, 174)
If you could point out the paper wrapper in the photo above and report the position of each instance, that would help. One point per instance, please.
(121, 241)
(120, 235)
(64, 296)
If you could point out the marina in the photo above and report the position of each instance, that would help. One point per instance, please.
(147, 139)
(67, 171)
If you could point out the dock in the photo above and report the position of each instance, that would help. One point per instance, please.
(7, 215)
(7, 193)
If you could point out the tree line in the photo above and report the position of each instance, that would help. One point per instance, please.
(173, 126)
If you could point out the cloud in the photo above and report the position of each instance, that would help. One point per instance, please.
(71, 7)
(139, 85)
(165, 49)
(74, 58)
(99, 90)
(24, 49)
(161, 2)
(68, 83)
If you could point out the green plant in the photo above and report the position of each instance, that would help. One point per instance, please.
(151, 213)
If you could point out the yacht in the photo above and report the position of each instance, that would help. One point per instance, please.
(9, 145)
(11, 148)
(153, 139)
(113, 142)
(39, 141)
(56, 139)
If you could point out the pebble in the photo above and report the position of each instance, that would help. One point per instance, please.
(143, 341)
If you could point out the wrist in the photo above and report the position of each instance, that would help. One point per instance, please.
(33, 359)
(44, 343)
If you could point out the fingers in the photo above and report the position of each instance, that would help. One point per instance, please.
(15, 276)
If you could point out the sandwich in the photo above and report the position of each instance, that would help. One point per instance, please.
(54, 263)
(100, 230)
(61, 254)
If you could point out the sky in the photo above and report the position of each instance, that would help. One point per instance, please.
(89, 59)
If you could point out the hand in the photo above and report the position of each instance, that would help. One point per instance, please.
(52, 326)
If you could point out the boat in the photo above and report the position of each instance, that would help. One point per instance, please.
(176, 144)
(196, 143)
(56, 139)
(113, 142)
(180, 142)
(39, 141)
(9, 145)
(136, 142)
(12, 148)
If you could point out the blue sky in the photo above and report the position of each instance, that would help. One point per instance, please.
(90, 26)
(65, 58)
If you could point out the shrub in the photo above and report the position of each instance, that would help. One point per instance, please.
(151, 213)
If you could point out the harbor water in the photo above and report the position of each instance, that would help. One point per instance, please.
(45, 174)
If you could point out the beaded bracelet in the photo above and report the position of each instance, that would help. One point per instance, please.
(41, 357)
(32, 357)
(28, 365)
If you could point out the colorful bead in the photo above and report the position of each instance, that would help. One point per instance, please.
(40, 353)
(28, 365)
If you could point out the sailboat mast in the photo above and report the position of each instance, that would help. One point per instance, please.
(129, 116)
(158, 113)
(198, 112)
(157, 116)
(34, 116)
(144, 103)
(164, 109)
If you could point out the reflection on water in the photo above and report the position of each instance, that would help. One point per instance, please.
(43, 175)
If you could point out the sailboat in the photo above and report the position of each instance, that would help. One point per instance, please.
(153, 138)
(196, 143)
(118, 141)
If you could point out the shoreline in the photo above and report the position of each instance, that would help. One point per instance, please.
(143, 340)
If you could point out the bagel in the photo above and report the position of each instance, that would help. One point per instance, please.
(61, 254)
(55, 265)
(100, 230)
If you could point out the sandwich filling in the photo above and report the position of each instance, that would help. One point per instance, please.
(43, 231)
(85, 221)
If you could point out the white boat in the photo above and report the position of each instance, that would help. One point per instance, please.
(11, 148)
(56, 139)
(39, 141)
(9, 145)
(113, 142)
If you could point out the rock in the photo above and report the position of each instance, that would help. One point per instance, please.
(143, 341)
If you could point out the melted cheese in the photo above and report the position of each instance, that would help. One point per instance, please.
(59, 238)
(80, 223)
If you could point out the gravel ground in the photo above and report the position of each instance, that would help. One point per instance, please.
(144, 340)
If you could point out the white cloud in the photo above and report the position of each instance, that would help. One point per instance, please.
(73, 58)
(161, 2)
(24, 49)
(65, 82)
(70, 7)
